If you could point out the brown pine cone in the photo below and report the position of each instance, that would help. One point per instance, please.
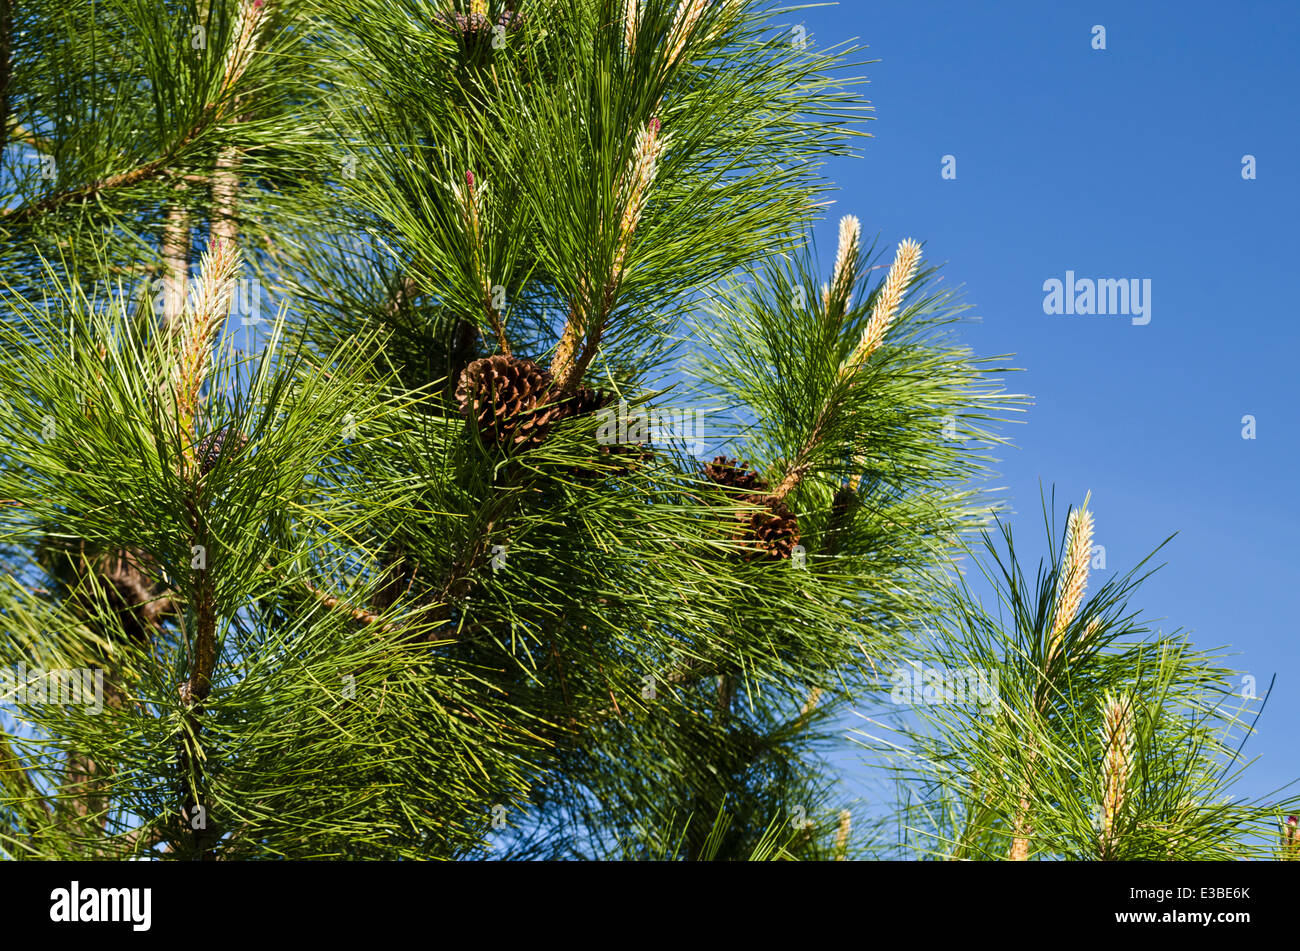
(511, 401)
(586, 400)
(772, 532)
(511, 20)
(734, 475)
(464, 24)
(216, 446)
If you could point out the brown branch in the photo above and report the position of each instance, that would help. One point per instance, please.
(205, 609)
(801, 464)
(577, 365)
(575, 330)
(199, 684)
(333, 602)
(135, 176)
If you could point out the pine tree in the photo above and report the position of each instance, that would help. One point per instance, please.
(1063, 726)
(432, 424)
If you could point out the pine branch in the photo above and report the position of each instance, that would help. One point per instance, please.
(580, 340)
(212, 113)
(192, 341)
(1073, 579)
(835, 301)
(141, 173)
(334, 602)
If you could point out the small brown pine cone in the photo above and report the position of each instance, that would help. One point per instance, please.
(215, 447)
(734, 475)
(586, 400)
(512, 20)
(464, 24)
(509, 400)
(772, 532)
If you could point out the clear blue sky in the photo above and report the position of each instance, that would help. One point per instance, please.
(1122, 163)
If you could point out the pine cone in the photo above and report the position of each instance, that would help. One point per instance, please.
(734, 475)
(773, 532)
(464, 24)
(216, 446)
(586, 400)
(511, 20)
(509, 400)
